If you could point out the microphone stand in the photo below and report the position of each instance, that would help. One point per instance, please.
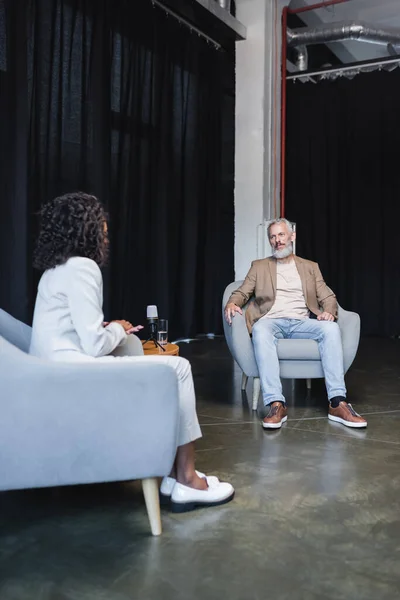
(153, 335)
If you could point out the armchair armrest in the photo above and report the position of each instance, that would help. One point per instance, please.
(349, 324)
(132, 347)
(238, 338)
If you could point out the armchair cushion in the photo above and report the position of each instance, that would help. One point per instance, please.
(298, 350)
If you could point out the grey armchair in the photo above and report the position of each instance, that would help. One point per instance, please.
(298, 359)
(64, 423)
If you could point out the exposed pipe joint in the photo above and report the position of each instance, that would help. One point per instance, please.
(340, 32)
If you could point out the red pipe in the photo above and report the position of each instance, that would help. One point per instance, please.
(295, 11)
(285, 12)
(283, 111)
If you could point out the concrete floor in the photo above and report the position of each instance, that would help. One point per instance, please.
(316, 514)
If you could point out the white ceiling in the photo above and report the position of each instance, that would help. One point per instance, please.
(375, 12)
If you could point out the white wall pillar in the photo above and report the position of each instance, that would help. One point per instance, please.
(257, 154)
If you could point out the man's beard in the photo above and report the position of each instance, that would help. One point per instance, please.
(284, 252)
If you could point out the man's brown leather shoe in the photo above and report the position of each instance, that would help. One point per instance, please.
(276, 416)
(346, 415)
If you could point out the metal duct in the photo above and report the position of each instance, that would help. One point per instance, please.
(338, 32)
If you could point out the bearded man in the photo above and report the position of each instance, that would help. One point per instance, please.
(290, 299)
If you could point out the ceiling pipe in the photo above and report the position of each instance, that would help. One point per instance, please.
(295, 11)
(340, 32)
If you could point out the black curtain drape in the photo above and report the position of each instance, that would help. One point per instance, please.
(343, 190)
(117, 99)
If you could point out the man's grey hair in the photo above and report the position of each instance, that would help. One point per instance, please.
(288, 224)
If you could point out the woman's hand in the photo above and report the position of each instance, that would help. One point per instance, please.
(134, 329)
(128, 327)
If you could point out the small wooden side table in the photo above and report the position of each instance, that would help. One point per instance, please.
(150, 349)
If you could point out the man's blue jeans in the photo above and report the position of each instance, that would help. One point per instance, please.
(267, 332)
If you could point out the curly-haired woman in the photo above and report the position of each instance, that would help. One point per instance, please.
(68, 325)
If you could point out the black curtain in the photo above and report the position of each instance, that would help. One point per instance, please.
(343, 189)
(117, 99)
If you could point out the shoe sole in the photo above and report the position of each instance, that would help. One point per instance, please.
(182, 507)
(274, 425)
(347, 423)
(164, 499)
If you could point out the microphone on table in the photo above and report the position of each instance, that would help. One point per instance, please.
(152, 320)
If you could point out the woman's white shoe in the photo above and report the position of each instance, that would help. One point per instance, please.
(184, 498)
(167, 485)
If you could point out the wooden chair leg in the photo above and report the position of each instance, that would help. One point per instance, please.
(256, 392)
(152, 500)
(309, 384)
(244, 381)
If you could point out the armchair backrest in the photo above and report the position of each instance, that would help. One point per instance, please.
(14, 331)
(237, 337)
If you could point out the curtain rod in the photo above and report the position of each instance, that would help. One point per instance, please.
(175, 15)
(376, 63)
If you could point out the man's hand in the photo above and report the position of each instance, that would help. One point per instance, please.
(325, 316)
(230, 311)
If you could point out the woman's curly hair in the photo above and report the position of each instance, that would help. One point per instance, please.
(71, 225)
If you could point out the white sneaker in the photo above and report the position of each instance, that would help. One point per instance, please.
(167, 485)
(184, 498)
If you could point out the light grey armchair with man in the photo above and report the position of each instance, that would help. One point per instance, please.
(271, 333)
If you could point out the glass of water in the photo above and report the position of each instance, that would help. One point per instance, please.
(162, 334)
